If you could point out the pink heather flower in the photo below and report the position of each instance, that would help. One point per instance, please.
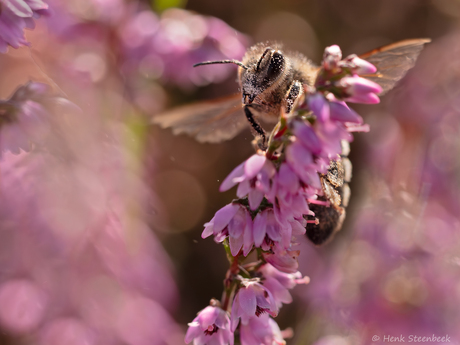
(301, 160)
(331, 57)
(305, 133)
(253, 177)
(210, 327)
(252, 300)
(23, 305)
(262, 330)
(268, 231)
(358, 65)
(278, 283)
(15, 16)
(235, 222)
(340, 111)
(360, 90)
(318, 104)
(291, 195)
(283, 260)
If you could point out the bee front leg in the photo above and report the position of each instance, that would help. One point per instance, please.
(256, 126)
(293, 96)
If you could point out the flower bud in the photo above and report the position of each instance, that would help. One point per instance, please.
(331, 57)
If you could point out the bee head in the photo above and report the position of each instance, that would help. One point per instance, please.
(262, 73)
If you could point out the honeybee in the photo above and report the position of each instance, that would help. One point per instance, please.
(272, 81)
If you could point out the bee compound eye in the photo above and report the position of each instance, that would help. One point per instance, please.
(264, 59)
(276, 66)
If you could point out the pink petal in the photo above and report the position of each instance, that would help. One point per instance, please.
(208, 230)
(255, 197)
(194, 330)
(235, 244)
(208, 316)
(232, 179)
(253, 165)
(19, 8)
(248, 300)
(259, 228)
(288, 179)
(341, 112)
(368, 98)
(223, 217)
(248, 237)
(307, 136)
(319, 106)
(243, 189)
(238, 223)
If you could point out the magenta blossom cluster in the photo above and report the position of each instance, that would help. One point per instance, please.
(15, 16)
(167, 47)
(275, 188)
(253, 303)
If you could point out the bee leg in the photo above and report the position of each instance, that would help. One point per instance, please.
(293, 96)
(256, 126)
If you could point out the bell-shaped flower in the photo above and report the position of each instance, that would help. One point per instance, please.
(262, 330)
(232, 221)
(331, 57)
(268, 231)
(252, 300)
(253, 177)
(278, 283)
(358, 65)
(283, 260)
(360, 90)
(210, 327)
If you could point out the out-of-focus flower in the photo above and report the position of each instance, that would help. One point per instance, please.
(167, 47)
(15, 16)
(262, 330)
(24, 119)
(24, 305)
(210, 327)
(252, 300)
(72, 227)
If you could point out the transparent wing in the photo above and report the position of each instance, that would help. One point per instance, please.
(393, 61)
(210, 121)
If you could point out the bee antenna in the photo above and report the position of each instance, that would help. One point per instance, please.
(236, 62)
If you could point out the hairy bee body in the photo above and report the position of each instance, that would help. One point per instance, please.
(336, 192)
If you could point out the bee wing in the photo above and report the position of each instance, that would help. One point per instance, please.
(393, 61)
(210, 121)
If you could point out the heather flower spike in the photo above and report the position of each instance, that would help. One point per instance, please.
(275, 189)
